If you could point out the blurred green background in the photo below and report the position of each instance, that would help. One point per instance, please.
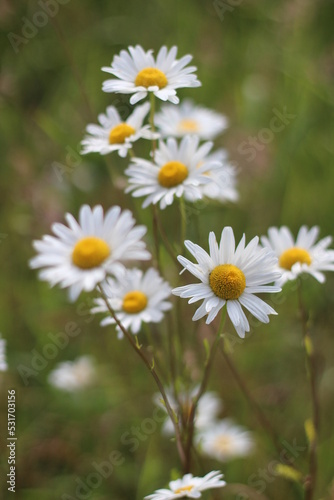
(253, 57)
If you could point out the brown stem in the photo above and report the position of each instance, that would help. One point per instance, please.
(310, 359)
(253, 404)
(204, 383)
(150, 365)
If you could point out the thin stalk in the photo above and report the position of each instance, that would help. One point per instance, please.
(204, 383)
(156, 237)
(151, 120)
(150, 366)
(312, 375)
(183, 221)
(251, 401)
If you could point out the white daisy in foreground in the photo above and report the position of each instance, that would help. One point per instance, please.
(187, 118)
(116, 135)
(230, 276)
(301, 256)
(3, 360)
(189, 486)
(73, 375)
(225, 441)
(81, 255)
(138, 73)
(208, 408)
(179, 170)
(135, 297)
(223, 180)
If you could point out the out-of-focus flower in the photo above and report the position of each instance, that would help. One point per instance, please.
(208, 408)
(225, 441)
(188, 118)
(73, 375)
(3, 359)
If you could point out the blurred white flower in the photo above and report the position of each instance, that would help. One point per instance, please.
(81, 255)
(179, 170)
(138, 73)
(188, 118)
(73, 375)
(116, 135)
(225, 441)
(223, 180)
(208, 408)
(189, 486)
(3, 358)
(301, 256)
(230, 276)
(135, 297)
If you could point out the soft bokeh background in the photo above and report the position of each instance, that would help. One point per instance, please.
(252, 58)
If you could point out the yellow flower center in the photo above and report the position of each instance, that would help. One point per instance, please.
(293, 255)
(183, 488)
(149, 77)
(90, 252)
(134, 302)
(227, 281)
(119, 133)
(224, 444)
(172, 173)
(188, 125)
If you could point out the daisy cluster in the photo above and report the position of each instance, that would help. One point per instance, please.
(101, 250)
(182, 165)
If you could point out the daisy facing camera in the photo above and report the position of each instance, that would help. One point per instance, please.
(82, 254)
(230, 277)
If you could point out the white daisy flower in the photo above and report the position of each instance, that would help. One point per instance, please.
(179, 170)
(225, 441)
(138, 73)
(223, 180)
(189, 486)
(81, 255)
(135, 297)
(188, 118)
(208, 408)
(230, 276)
(3, 360)
(301, 256)
(73, 375)
(113, 134)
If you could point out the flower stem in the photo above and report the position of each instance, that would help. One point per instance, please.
(312, 375)
(183, 221)
(150, 366)
(151, 120)
(204, 383)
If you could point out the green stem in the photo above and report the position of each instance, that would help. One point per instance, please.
(312, 374)
(183, 221)
(151, 120)
(150, 366)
